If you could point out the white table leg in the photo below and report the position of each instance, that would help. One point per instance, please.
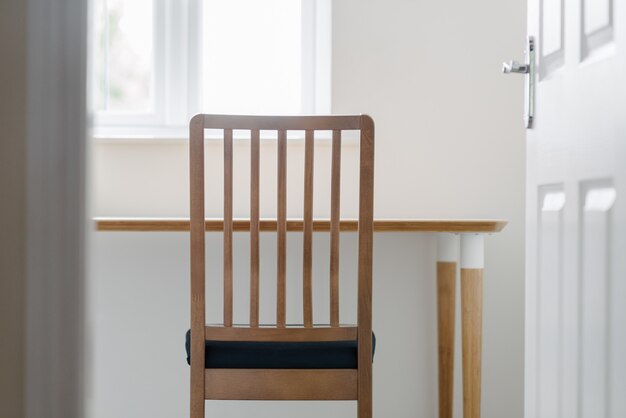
(447, 256)
(472, 266)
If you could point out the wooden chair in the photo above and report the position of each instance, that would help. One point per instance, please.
(247, 381)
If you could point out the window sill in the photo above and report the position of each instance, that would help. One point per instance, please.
(140, 133)
(145, 134)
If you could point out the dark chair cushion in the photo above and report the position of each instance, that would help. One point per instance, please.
(279, 355)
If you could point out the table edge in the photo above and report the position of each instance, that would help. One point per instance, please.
(294, 225)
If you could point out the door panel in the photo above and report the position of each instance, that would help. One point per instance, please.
(551, 27)
(596, 15)
(576, 217)
(597, 18)
(597, 202)
(550, 282)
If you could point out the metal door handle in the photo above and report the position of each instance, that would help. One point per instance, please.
(528, 69)
(514, 67)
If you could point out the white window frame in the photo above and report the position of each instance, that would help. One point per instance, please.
(177, 71)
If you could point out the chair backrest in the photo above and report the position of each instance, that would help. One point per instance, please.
(281, 124)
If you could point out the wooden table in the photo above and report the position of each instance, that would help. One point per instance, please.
(457, 240)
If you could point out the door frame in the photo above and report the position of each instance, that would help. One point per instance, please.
(56, 221)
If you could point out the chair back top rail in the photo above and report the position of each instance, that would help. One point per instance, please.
(287, 123)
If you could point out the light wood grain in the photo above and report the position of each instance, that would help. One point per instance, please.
(277, 384)
(446, 300)
(335, 202)
(472, 331)
(228, 227)
(197, 267)
(307, 258)
(297, 225)
(281, 229)
(288, 334)
(365, 242)
(255, 172)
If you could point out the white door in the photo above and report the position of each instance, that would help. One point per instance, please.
(576, 212)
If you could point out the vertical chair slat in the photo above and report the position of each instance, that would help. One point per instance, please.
(335, 193)
(228, 227)
(366, 220)
(254, 227)
(281, 230)
(307, 286)
(197, 262)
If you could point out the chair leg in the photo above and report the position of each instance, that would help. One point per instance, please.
(364, 403)
(365, 408)
(196, 405)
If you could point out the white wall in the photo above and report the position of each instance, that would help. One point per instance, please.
(450, 143)
(450, 139)
(141, 311)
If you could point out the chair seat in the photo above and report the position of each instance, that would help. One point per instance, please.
(279, 355)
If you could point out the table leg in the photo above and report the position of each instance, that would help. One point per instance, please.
(472, 265)
(447, 254)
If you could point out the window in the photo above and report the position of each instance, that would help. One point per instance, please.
(157, 62)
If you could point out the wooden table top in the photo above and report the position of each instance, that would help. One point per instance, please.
(293, 225)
